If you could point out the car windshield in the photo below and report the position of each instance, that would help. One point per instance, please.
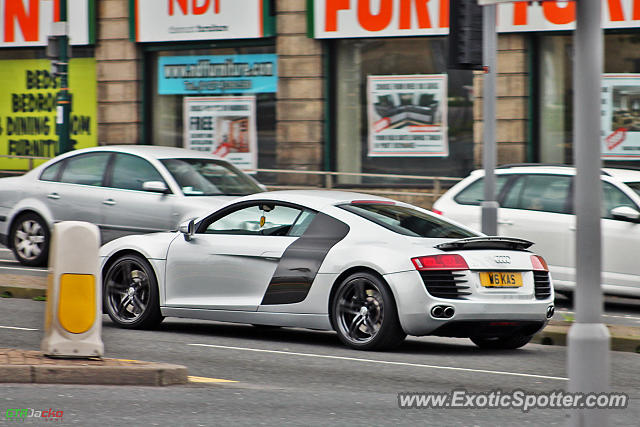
(209, 177)
(635, 186)
(408, 221)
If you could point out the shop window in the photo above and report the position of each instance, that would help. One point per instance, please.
(620, 99)
(229, 116)
(408, 108)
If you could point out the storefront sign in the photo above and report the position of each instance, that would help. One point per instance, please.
(390, 18)
(175, 20)
(217, 74)
(28, 22)
(560, 15)
(407, 115)
(28, 108)
(621, 116)
(379, 18)
(224, 126)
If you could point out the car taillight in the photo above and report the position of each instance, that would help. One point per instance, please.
(538, 263)
(436, 211)
(440, 262)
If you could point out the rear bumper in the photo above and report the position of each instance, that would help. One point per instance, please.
(414, 307)
(4, 239)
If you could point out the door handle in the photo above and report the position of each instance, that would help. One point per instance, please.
(505, 222)
(54, 196)
(109, 202)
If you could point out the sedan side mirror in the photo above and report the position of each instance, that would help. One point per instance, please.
(625, 213)
(188, 230)
(155, 186)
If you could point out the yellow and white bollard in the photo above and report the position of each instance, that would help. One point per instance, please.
(73, 317)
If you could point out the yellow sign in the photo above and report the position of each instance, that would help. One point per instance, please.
(28, 109)
(77, 302)
(503, 279)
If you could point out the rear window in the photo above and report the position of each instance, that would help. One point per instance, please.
(408, 221)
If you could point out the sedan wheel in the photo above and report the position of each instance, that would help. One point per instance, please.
(131, 293)
(30, 240)
(364, 313)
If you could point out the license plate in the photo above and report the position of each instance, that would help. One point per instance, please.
(490, 279)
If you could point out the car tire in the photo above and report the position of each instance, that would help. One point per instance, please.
(130, 293)
(364, 313)
(510, 342)
(30, 239)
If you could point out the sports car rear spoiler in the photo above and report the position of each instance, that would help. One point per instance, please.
(488, 242)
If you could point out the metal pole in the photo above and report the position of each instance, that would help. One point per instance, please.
(489, 42)
(63, 99)
(588, 338)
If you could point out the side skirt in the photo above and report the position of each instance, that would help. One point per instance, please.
(310, 321)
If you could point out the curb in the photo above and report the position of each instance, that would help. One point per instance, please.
(556, 334)
(22, 292)
(32, 367)
(157, 374)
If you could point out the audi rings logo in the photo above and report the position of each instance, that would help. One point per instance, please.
(502, 259)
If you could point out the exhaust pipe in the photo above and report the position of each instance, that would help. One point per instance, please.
(550, 310)
(442, 312)
(437, 311)
(448, 312)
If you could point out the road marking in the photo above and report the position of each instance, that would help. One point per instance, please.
(193, 379)
(24, 268)
(17, 328)
(5, 250)
(382, 362)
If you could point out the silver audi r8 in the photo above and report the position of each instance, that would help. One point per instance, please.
(370, 268)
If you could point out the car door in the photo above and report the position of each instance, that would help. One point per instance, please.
(72, 188)
(126, 208)
(229, 262)
(620, 266)
(537, 207)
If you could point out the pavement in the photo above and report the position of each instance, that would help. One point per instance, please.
(21, 366)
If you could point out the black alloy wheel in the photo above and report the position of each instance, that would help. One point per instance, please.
(130, 293)
(364, 313)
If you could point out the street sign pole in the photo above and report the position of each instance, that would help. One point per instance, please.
(588, 338)
(63, 98)
(489, 40)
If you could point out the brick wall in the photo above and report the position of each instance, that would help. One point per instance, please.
(512, 90)
(119, 70)
(300, 97)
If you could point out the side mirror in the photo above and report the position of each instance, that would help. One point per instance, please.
(188, 229)
(155, 186)
(625, 213)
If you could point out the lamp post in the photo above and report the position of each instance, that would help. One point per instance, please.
(63, 98)
(588, 338)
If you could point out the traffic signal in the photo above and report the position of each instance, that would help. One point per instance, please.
(465, 35)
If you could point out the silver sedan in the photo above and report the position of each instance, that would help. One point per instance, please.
(123, 189)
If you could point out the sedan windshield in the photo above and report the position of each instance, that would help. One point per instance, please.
(408, 221)
(208, 177)
(635, 186)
